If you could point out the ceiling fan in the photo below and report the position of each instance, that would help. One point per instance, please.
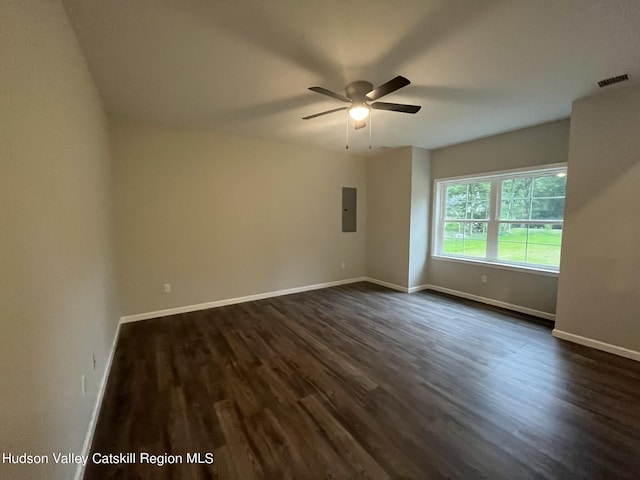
(360, 94)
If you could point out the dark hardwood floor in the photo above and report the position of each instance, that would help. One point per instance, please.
(363, 382)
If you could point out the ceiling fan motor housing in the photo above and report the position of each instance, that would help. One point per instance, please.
(357, 91)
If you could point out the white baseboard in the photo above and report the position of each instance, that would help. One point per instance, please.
(419, 288)
(495, 303)
(93, 421)
(597, 344)
(382, 283)
(230, 301)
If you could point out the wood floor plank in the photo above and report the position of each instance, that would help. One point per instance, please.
(360, 381)
(277, 452)
(243, 460)
(363, 465)
(375, 437)
(319, 454)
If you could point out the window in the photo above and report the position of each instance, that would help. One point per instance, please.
(513, 218)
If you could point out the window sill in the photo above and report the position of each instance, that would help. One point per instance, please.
(501, 266)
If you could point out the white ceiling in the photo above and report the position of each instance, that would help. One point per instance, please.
(477, 67)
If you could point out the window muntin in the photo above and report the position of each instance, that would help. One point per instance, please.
(507, 218)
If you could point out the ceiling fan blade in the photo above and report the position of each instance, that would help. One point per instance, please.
(324, 113)
(329, 93)
(386, 88)
(396, 107)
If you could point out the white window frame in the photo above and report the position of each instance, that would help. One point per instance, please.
(493, 222)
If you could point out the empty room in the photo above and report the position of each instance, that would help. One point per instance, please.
(319, 240)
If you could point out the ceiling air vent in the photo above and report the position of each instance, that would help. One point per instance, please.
(610, 81)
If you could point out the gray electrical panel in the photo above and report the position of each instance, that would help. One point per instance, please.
(349, 204)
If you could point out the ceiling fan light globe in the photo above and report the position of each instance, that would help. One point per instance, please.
(359, 112)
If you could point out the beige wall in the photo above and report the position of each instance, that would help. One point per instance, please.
(389, 215)
(56, 295)
(539, 145)
(219, 216)
(599, 292)
(399, 186)
(420, 209)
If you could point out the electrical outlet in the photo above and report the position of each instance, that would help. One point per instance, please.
(343, 265)
(84, 385)
(484, 279)
(167, 288)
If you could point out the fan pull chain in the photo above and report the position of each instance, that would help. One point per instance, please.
(370, 122)
(347, 145)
